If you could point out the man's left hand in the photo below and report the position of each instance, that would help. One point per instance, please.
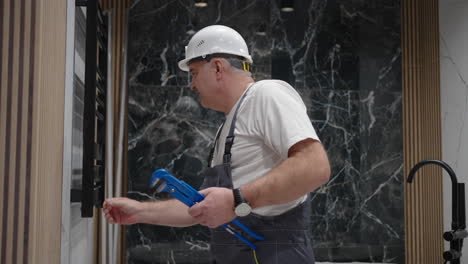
(216, 209)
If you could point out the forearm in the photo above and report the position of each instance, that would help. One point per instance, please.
(300, 173)
(167, 213)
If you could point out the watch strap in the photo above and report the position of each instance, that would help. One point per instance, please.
(238, 198)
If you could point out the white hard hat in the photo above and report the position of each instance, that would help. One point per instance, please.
(215, 39)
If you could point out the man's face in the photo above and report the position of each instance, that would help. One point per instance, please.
(203, 82)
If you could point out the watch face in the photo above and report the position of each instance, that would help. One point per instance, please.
(243, 209)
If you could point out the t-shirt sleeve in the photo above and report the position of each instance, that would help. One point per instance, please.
(281, 117)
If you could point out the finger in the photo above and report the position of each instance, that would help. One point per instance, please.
(115, 200)
(206, 191)
(112, 201)
(110, 218)
(106, 207)
(196, 210)
(108, 213)
(212, 226)
(202, 221)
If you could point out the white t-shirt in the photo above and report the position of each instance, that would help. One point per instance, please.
(271, 119)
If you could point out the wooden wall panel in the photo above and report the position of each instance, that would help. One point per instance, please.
(32, 80)
(119, 11)
(422, 130)
(32, 63)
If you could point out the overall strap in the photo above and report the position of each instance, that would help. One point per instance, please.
(210, 156)
(230, 136)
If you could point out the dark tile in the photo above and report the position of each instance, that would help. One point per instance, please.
(344, 59)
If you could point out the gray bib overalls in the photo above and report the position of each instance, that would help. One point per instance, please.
(286, 236)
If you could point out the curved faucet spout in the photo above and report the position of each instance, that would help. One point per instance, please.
(437, 162)
(458, 232)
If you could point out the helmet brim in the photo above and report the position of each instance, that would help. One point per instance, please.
(183, 65)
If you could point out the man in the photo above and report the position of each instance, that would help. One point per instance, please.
(266, 159)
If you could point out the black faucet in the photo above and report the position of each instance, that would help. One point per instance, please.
(458, 232)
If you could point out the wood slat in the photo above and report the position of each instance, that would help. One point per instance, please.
(31, 135)
(422, 130)
(119, 9)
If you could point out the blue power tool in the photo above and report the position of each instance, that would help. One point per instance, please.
(163, 181)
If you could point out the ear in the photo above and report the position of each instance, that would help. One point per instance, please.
(218, 67)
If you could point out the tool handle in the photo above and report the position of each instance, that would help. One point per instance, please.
(189, 199)
(190, 191)
(246, 229)
(234, 233)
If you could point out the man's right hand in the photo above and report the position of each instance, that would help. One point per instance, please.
(122, 210)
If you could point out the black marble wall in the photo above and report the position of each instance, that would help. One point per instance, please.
(343, 56)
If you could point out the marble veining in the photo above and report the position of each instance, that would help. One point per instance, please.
(461, 107)
(454, 96)
(344, 59)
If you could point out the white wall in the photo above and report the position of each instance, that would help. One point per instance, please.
(453, 21)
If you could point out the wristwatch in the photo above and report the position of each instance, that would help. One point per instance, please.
(241, 206)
